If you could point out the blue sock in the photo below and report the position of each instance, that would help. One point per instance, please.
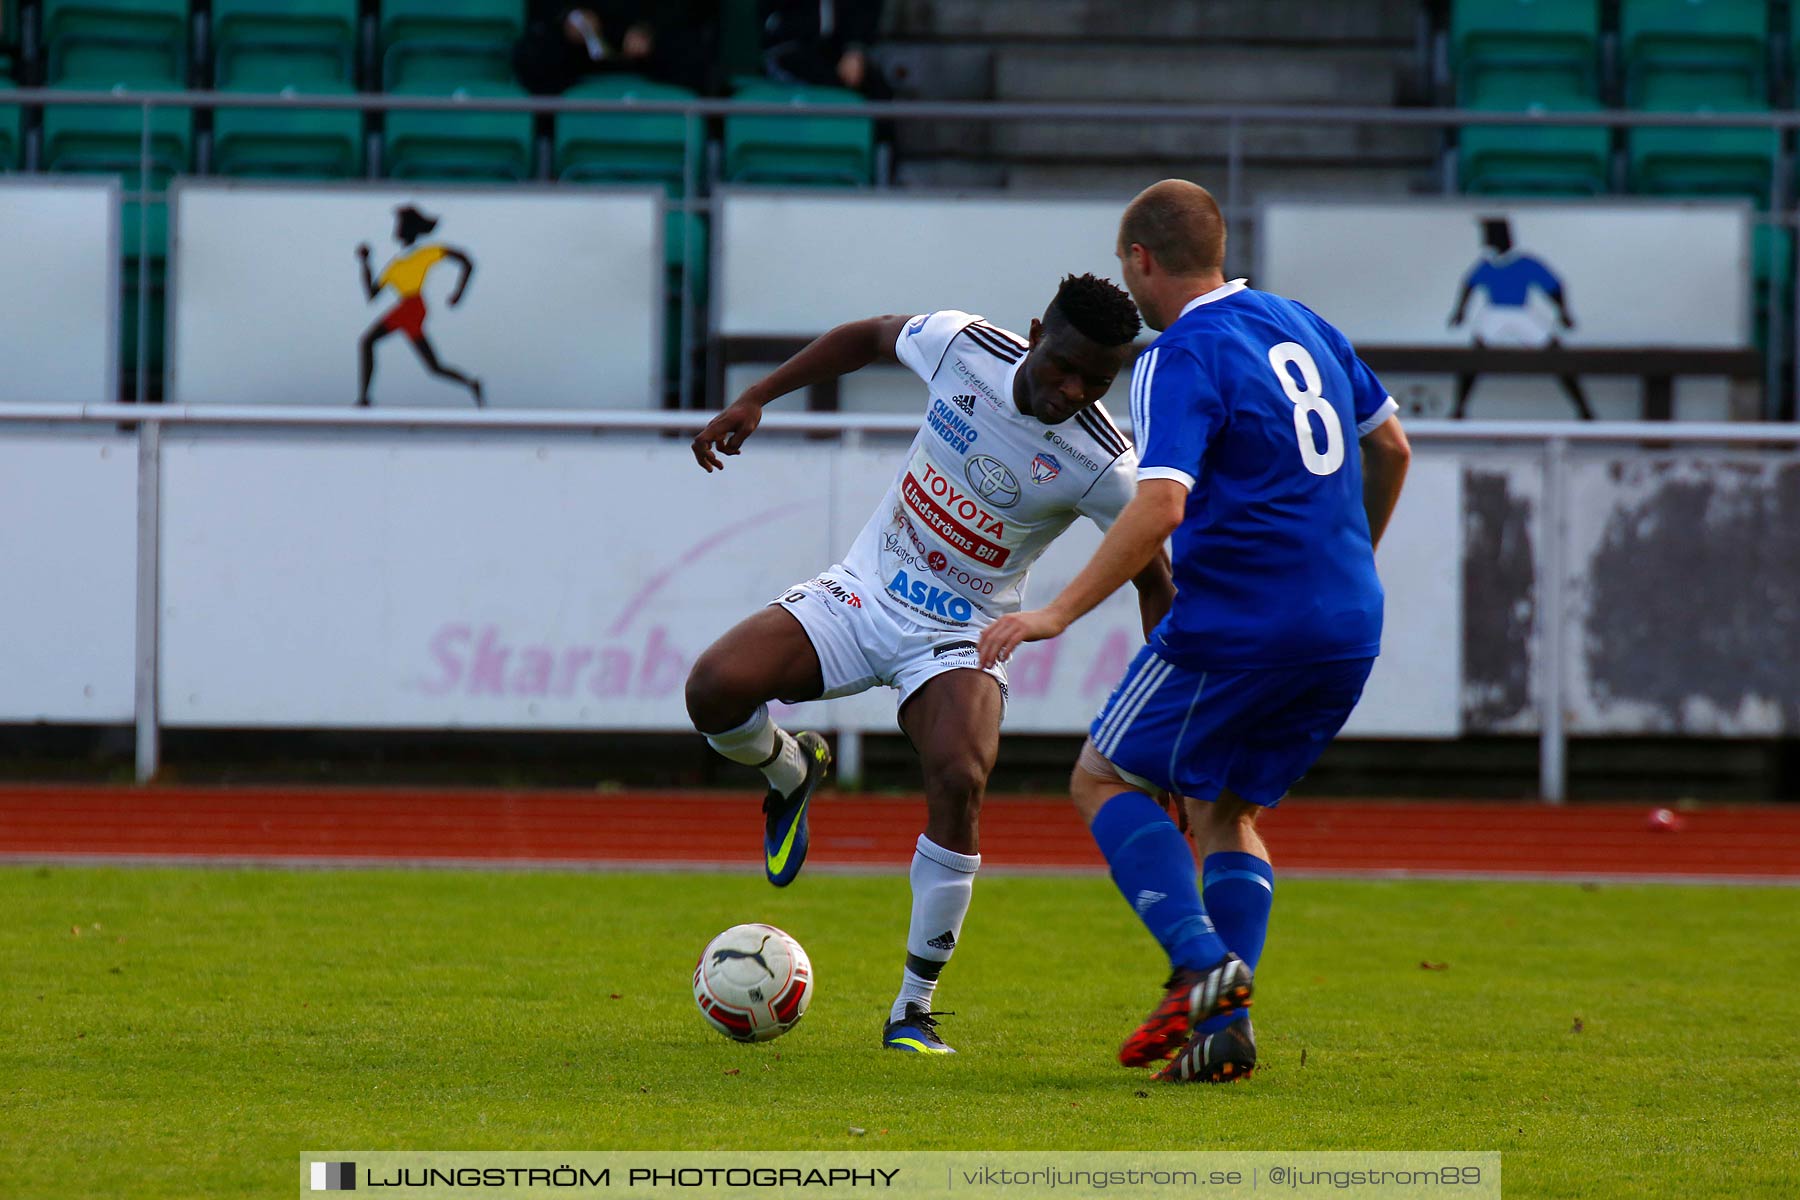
(1239, 890)
(1154, 870)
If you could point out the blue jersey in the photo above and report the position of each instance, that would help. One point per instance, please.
(1256, 404)
(1509, 278)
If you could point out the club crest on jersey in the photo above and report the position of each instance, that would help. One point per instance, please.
(933, 600)
(992, 480)
(917, 323)
(1044, 468)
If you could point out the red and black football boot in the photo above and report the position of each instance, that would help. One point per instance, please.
(1189, 998)
(1222, 1057)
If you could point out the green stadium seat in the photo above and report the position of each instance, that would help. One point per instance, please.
(1525, 88)
(642, 148)
(630, 148)
(12, 131)
(798, 150)
(290, 143)
(1542, 160)
(457, 145)
(448, 42)
(695, 252)
(1693, 92)
(150, 234)
(1528, 160)
(267, 45)
(1557, 41)
(1700, 162)
(1772, 258)
(294, 47)
(1703, 162)
(627, 147)
(153, 238)
(144, 40)
(1722, 44)
(88, 139)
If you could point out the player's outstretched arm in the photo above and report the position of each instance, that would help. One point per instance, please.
(848, 348)
(1135, 538)
(1386, 455)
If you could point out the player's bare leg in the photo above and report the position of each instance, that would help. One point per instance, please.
(1154, 869)
(1227, 825)
(1094, 782)
(954, 724)
(1237, 878)
(764, 657)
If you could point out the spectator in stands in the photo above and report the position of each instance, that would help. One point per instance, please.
(671, 41)
(824, 42)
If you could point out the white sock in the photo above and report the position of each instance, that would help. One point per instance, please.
(942, 883)
(761, 743)
(914, 989)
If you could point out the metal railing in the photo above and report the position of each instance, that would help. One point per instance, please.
(1237, 121)
(1553, 441)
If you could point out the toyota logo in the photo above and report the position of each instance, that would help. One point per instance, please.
(992, 481)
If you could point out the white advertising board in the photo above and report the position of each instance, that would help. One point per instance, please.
(797, 264)
(563, 307)
(433, 581)
(1628, 274)
(67, 596)
(59, 310)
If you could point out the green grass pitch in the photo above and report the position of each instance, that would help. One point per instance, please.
(207, 1025)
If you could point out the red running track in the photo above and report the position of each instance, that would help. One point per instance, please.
(692, 829)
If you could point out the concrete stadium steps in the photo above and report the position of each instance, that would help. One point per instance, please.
(1114, 141)
(935, 71)
(1206, 73)
(1258, 180)
(1254, 52)
(1239, 20)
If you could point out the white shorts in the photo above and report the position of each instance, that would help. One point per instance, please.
(862, 640)
(1511, 325)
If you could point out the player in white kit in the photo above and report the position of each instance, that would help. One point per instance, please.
(1014, 448)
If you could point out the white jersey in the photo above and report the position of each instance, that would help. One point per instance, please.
(984, 488)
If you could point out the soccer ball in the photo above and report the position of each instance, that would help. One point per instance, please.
(753, 983)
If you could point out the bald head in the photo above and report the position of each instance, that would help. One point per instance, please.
(1179, 223)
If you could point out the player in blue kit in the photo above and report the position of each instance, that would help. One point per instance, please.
(1250, 411)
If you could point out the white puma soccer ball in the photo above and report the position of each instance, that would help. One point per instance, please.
(753, 983)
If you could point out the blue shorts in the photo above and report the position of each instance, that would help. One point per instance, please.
(1197, 732)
